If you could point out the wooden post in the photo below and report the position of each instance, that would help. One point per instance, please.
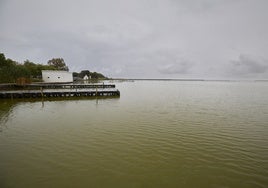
(42, 94)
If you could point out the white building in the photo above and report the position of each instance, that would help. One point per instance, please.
(57, 76)
(85, 77)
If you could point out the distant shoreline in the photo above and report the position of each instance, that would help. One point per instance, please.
(170, 79)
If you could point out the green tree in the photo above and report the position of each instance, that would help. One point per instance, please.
(93, 75)
(11, 70)
(20, 71)
(32, 68)
(58, 63)
(36, 69)
(75, 74)
(7, 68)
(2, 60)
(96, 75)
(83, 73)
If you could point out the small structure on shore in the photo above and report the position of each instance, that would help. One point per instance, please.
(86, 77)
(52, 76)
(23, 81)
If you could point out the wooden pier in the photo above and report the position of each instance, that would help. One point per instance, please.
(60, 90)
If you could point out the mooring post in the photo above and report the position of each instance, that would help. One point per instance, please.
(41, 89)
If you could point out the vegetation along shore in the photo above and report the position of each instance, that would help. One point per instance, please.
(11, 71)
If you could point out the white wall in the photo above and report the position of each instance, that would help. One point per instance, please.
(57, 76)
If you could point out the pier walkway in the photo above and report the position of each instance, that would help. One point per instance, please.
(59, 90)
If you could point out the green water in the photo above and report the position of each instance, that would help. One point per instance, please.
(157, 134)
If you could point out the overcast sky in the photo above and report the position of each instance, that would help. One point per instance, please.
(211, 39)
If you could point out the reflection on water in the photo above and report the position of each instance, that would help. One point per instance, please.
(157, 134)
(7, 105)
(5, 111)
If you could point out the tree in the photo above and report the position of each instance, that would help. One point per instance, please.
(11, 70)
(36, 69)
(83, 73)
(7, 69)
(2, 60)
(96, 75)
(32, 68)
(92, 75)
(58, 63)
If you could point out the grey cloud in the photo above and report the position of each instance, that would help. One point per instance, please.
(179, 67)
(149, 39)
(247, 64)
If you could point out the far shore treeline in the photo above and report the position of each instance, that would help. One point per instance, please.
(11, 71)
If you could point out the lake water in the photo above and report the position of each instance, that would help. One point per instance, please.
(157, 134)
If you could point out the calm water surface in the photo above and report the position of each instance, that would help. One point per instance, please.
(157, 134)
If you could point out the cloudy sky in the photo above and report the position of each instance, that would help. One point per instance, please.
(211, 39)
